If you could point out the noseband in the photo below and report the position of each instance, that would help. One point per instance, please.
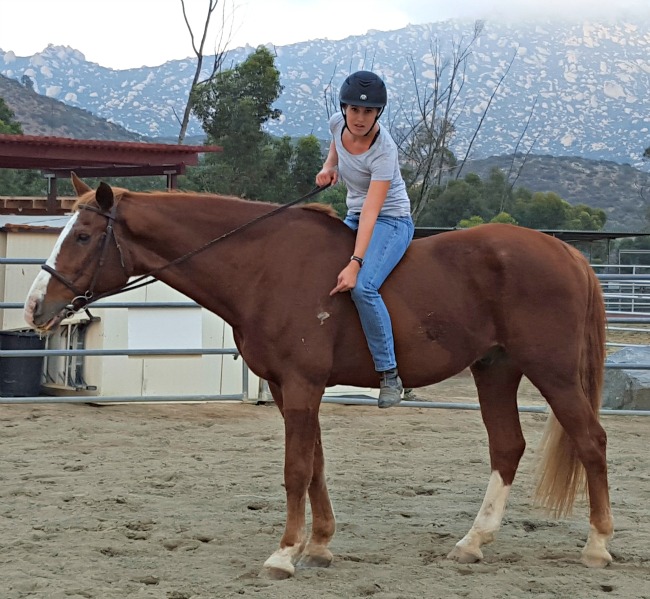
(83, 298)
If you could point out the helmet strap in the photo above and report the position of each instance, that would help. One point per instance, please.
(345, 120)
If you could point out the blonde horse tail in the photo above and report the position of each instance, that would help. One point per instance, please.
(561, 475)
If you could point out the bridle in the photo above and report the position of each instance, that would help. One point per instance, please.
(81, 298)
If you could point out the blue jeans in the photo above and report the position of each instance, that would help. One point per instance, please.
(390, 239)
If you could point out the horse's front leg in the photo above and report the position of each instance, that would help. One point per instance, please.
(303, 471)
(316, 553)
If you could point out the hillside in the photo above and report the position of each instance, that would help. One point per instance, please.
(622, 191)
(40, 115)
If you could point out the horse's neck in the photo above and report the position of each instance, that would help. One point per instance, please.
(170, 226)
(191, 244)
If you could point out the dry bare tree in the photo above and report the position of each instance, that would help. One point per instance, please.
(484, 114)
(427, 125)
(222, 39)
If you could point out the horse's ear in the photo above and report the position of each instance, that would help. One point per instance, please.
(104, 196)
(79, 186)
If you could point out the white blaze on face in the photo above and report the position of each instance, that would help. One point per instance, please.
(37, 290)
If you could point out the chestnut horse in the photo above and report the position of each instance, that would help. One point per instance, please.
(505, 301)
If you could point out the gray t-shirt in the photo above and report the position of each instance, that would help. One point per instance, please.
(378, 163)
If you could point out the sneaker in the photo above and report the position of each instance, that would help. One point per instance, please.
(390, 389)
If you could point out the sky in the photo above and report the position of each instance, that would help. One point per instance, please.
(122, 34)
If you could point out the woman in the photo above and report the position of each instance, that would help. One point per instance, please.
(365, 157)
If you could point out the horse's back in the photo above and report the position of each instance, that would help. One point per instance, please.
(500, 255)
(457, 295)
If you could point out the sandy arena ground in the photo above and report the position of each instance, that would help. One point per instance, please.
(181, 501)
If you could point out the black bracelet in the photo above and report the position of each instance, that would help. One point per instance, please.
(357, 259)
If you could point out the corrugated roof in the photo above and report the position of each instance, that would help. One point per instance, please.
(19, 223)
(112, 158)
(130, 146)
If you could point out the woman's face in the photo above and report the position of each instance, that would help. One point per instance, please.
(360, 119)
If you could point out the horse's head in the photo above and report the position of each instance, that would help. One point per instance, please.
(86, 261)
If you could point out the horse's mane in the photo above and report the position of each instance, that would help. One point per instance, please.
(324, 208)
(119, 192)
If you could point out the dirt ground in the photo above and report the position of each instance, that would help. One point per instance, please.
(180, 501)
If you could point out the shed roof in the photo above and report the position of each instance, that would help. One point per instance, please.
(97, 158)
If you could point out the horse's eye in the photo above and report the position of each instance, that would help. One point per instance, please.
(83, 237)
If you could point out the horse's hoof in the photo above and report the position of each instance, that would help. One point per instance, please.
(464, 555)
(279, 566)
(596, 560)
(275, 573)
(322, 559)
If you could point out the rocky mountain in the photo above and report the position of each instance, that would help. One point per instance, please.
(584, 86)
(40, 115)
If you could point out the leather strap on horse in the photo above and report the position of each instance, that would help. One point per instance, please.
(148, 278)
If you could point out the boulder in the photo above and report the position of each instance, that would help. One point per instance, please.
(627, 389)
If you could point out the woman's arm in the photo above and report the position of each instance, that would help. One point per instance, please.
(329, 173)
(372, 205)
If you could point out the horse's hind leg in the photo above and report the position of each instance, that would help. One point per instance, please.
(579, 440)
(303, 473)
(497, 381)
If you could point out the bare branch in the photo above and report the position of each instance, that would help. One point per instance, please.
(524, 161)
(523, 133)
(484, 115)
(428, 125)
(219, 53)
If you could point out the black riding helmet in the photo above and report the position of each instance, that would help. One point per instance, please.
(363, 88)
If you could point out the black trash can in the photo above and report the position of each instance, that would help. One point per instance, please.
(21, 376)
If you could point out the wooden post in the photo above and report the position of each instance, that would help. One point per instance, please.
(50, 206)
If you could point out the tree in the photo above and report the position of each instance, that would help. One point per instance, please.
(307, 161)
(15, 181)
(275, 167)
(585, 218)
(424, 140)
(430, 120)
(218, 56)
(336, 198)
(544, 211)
(473, 201)
(448, 206)
(8, 124)
(232, 108)
(504, 217)
(27, 82)
(474, 221)
(497, 192)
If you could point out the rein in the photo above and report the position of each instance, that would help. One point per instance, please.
(82, 299)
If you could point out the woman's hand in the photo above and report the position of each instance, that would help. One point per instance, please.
(328, 175)
(347, 278)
